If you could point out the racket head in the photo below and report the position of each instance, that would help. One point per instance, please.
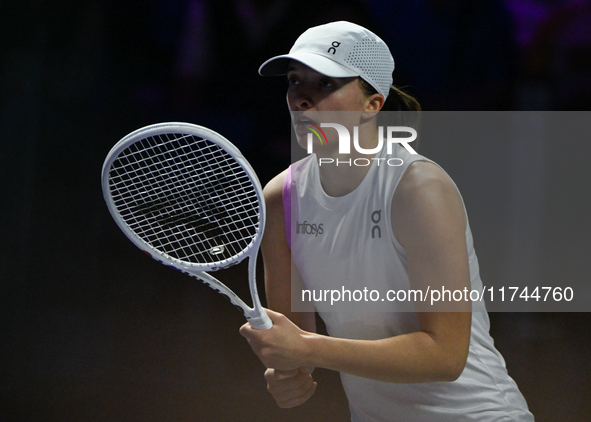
(185, 195)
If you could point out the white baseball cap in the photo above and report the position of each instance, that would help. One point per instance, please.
(339, 50)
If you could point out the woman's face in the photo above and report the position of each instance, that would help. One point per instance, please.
(309, 90)
(314, 98)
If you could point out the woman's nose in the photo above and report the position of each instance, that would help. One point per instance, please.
(299, 99)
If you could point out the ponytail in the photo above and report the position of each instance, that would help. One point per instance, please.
(397, 100)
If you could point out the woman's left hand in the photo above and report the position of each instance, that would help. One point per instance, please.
(281, 347)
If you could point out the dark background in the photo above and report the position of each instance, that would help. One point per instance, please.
(92, 330)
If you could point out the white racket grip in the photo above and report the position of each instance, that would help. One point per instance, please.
(261, 322)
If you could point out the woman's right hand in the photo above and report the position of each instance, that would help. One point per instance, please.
(290, 388)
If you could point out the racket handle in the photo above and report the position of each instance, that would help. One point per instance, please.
(261, 322)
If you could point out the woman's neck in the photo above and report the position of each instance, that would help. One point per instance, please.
(341, 174)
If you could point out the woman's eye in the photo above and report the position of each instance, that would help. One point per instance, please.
(292, 81)
(326, 83)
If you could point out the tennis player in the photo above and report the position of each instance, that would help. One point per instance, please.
(394, 366)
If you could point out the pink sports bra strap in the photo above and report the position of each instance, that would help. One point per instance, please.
(287, 205)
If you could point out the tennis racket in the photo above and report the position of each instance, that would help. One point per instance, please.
(187, 197)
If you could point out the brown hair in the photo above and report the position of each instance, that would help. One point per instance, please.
(397, 100)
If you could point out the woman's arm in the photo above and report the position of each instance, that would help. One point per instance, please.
(428, 219)
(294, 387)
(277, 258)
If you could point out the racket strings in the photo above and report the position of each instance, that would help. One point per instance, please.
(180, 217)
(187, 197)
(180, 187)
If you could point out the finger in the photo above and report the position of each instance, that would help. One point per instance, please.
(292, 396)
(296, 401)
(276, 375)
(245, 330)
(276, 317)
(272, 313)
(294, 386)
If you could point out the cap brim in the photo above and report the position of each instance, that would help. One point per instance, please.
(278, 65)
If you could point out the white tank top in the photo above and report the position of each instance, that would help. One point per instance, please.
(335, 244)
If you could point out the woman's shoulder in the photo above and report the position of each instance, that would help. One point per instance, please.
(275, 227)
(422, 177)
(426, 202)
(273, 190)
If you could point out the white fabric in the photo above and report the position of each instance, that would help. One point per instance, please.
(345, 254)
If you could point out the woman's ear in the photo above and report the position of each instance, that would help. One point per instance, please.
(373, 104)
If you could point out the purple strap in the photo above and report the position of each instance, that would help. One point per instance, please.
(287, 205)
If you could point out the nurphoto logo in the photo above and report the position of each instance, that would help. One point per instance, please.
(345, 143)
